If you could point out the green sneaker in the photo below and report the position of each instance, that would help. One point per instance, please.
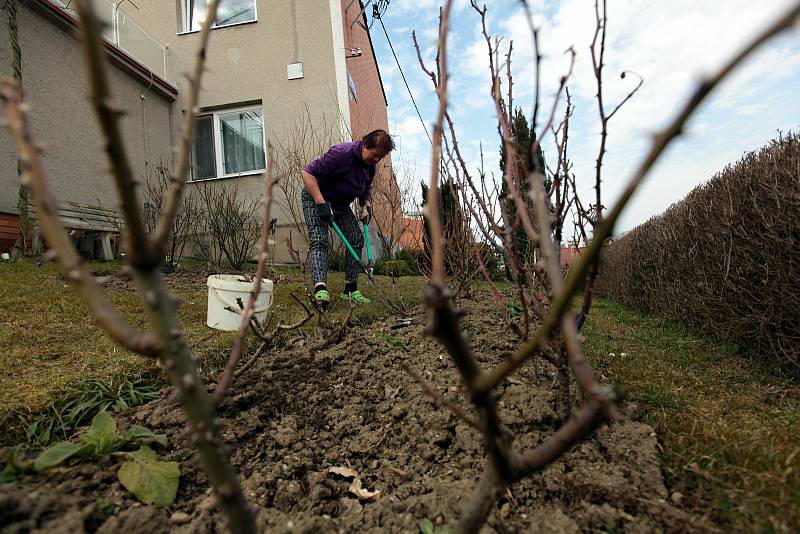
(322, 296)
(357, 297)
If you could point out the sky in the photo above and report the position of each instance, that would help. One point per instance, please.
(670, 44)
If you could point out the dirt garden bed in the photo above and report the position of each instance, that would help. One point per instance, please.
(296, 414)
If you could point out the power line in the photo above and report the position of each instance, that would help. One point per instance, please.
(380, 19)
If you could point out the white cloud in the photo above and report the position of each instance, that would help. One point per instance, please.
(670, 44)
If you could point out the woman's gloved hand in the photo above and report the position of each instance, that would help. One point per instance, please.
(324, 212)
(366, 214)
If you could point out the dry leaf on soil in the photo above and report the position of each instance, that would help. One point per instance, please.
(362, 494)
(345, 472)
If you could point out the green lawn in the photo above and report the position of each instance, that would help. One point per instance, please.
(728, 427)
(48, 341)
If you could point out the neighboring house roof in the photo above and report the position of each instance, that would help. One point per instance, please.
(65, 20)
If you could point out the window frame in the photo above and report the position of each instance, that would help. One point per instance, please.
(183, 31)
(218, 156)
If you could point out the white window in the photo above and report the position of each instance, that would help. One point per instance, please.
(192, 13)
(229, 143)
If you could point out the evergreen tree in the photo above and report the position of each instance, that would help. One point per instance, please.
(522, 139)
(449, 214)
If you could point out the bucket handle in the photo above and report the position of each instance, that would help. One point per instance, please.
(235, 307)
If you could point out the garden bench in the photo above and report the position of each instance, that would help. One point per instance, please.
(86, 225)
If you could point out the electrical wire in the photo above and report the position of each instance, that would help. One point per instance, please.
(380, 19)
(377, 13)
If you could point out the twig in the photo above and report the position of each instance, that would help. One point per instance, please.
(606, 227)
(224, 380)
(432, 212)
(46, 204)
(181, 172)
(441, 401)
(269, 339)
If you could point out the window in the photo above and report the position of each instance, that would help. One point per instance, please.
(192, 13)
(228, 143)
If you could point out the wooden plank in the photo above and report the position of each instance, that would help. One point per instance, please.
(75, 216)
(87, 217)
(78, 224)
(89, 209)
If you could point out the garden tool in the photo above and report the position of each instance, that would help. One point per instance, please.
(368, 269)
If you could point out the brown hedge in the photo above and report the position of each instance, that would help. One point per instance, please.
(725, 259)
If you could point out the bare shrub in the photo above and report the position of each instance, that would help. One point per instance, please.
(555, 337)
(305, 139)
(724, 259)
(153, 198)
(227, 225)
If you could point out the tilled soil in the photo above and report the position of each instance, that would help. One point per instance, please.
(297, 413)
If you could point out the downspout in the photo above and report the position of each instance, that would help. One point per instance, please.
(10, 7)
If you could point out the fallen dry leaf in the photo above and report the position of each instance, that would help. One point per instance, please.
(362, 494)
(345, 472)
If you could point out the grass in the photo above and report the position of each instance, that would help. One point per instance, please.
(728, 428)
(48, 342)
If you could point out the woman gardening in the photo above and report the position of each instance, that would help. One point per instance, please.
(332, 181)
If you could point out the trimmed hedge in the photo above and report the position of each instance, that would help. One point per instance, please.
(396, 268)
(725, 259)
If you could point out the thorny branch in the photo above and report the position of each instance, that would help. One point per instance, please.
(160, 307)
(505, 466)
(108, 114)
(660, 142)
(224, 380)
(181, 171)
(432, 212)
(597, 50)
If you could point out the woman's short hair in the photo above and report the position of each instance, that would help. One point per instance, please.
(379, 139)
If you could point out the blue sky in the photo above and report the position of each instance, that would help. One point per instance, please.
(670, 44)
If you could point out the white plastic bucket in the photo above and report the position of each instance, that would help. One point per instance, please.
(223, 290)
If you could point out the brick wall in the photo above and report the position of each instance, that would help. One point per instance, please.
(9, 231)
(368, 108)
(570, 255)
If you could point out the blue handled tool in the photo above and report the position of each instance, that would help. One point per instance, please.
(368, 270)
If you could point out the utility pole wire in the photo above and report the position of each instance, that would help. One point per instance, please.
(380, 19)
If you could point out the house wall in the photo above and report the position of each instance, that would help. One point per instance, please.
(63, 120)
(248, 63)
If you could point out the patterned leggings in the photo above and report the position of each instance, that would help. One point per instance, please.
(318, 240)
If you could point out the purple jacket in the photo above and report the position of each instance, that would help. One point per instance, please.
(342, 175)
